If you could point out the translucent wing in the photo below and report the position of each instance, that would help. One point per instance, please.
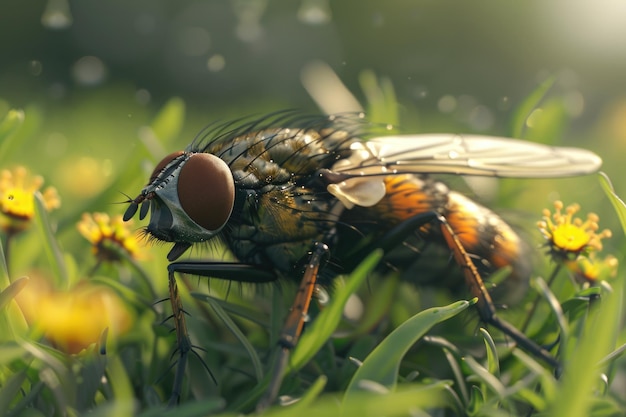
(476, 155)
(360, 174)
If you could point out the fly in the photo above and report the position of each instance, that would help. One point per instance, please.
(287, 191)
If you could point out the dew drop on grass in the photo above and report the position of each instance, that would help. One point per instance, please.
(89, 71)
(216, 63)
(314, 12)
(446, 104)
(35, 67)
(57, 15)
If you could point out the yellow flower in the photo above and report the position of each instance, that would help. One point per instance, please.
(73, 320)
(591, 269)
(17, 198)
(109, 236)
(567, 234)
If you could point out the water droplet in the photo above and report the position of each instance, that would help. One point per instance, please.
(504, 104)
(35, 67)
(57, 15)
(420, 92)
(249, 14)
(446, 104)
(314, 12)
(216, 63)
(89, 71)
(249, 32)
(143, 96)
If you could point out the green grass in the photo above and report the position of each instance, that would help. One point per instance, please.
(399, 359)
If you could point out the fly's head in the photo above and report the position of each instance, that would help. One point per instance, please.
(190, 196)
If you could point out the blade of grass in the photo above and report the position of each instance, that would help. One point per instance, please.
(234, 329)
(482, 374)
(12, 290)
(575, 394)
(408, 400)
(493, 363)
(383, 364)
(528, 105)
(10, 388)
(548, 295)
(618, 203)
(309, 398)
(51, 247)
(5, 281)
(8, 127)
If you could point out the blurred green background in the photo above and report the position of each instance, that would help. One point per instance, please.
(91, 75)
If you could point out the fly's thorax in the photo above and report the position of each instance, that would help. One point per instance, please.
(278, 225)
(279, 156)
(280, 210)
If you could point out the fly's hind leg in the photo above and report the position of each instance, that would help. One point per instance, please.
(474, 282)
(485, 306)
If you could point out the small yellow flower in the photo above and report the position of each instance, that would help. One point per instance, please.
(17, 198)
(567, 234)
(109, 236)
(74, 319)
(591, 269)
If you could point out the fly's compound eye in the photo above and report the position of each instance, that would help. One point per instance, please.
(206, 190)
(169, 158)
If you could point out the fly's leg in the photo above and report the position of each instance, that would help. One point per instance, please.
(294, 323)
(182, 339)
(485, 306)
(486, 309)
(221, 270)
(395, 236)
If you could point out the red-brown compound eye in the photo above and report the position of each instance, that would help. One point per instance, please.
(169, 158)
(206, 190)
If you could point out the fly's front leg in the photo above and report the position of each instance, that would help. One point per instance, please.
(220, 270)
(182, 338)
(295, 323)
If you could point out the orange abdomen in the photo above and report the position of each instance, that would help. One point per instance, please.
(486, 237)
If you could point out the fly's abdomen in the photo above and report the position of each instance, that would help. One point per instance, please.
(409, 195)
(493, 243)
(484, 235)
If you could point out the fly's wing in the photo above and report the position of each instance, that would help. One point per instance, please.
(362, 173)
(479, 155)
